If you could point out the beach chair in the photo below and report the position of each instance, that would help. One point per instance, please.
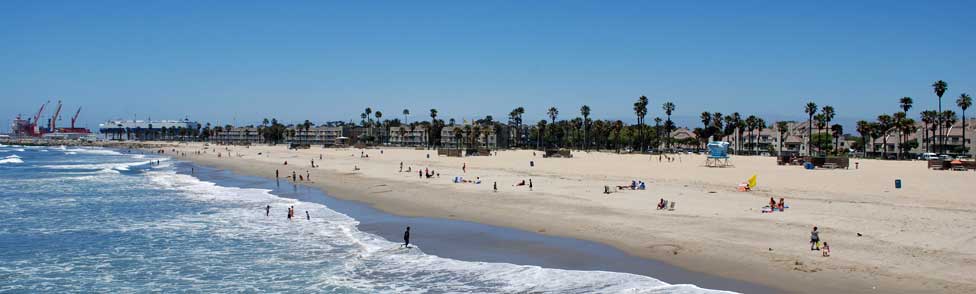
(671, 207)
(718, 154)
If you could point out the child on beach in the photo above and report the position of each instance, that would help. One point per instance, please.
(825, 251)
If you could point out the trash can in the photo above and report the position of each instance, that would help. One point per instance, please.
(808, 165)
(897, 183)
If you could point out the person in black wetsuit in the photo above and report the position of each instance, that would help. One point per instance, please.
(267, 211)
(406, 238)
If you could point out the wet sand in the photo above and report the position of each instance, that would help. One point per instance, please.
(468, 241)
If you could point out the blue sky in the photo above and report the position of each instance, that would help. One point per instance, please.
(222, 61)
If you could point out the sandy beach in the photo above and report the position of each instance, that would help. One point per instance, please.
(917, 239)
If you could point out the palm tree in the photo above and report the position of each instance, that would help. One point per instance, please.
(884, 125)
(907, 126)
(737, 126)
(369, 126)
(905, 103)
(898, 119)
(810, 110)
(668, 108)
(618, 127)
(406, 113)
(730, 126)
(541, 130)
(828, 112)
(837, 131)
(928, 120)
(940, 87)
(640, 109)
(760, 125)
(706, 119)
(964, 102)
(864, 128)
(585, 111)
(750, 124)
(458, 137)
(717, 124)
(552, 113)
(379, 125)
(784, 130)
(433, 116)
(948, 119)
(821, 121)
(657, 132)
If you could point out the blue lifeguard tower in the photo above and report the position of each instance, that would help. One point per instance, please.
(718, 154)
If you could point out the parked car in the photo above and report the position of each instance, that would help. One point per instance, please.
(928, 156)
(945, 157)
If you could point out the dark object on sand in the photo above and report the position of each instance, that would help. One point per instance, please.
(558, 153)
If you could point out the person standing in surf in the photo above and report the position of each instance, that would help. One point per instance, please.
(406, 238)
(267, 210)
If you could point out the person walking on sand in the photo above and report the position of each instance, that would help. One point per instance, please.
(495, 184)
(406, 238)
(267, 210)
(814, 239)
(464, 167)
(308, 177)
(530, 184)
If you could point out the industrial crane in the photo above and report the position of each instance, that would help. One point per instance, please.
(34, 128)
(75, 118)
(57, 112)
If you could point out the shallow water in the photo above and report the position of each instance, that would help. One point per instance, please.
(98, 220)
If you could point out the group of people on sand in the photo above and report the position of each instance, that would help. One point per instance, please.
(522, 183)
(663, 204)
(661, 158)
(634, 185)
(462, 180)
(815, 243)
(427, 173)
(774, 206)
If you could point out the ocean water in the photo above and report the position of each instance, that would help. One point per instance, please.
(81, 220)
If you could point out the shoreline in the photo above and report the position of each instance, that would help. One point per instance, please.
(435, 199)
(476, 242)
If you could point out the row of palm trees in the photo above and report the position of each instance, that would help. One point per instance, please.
(935, 125)
(717, 127)
(585, 133)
